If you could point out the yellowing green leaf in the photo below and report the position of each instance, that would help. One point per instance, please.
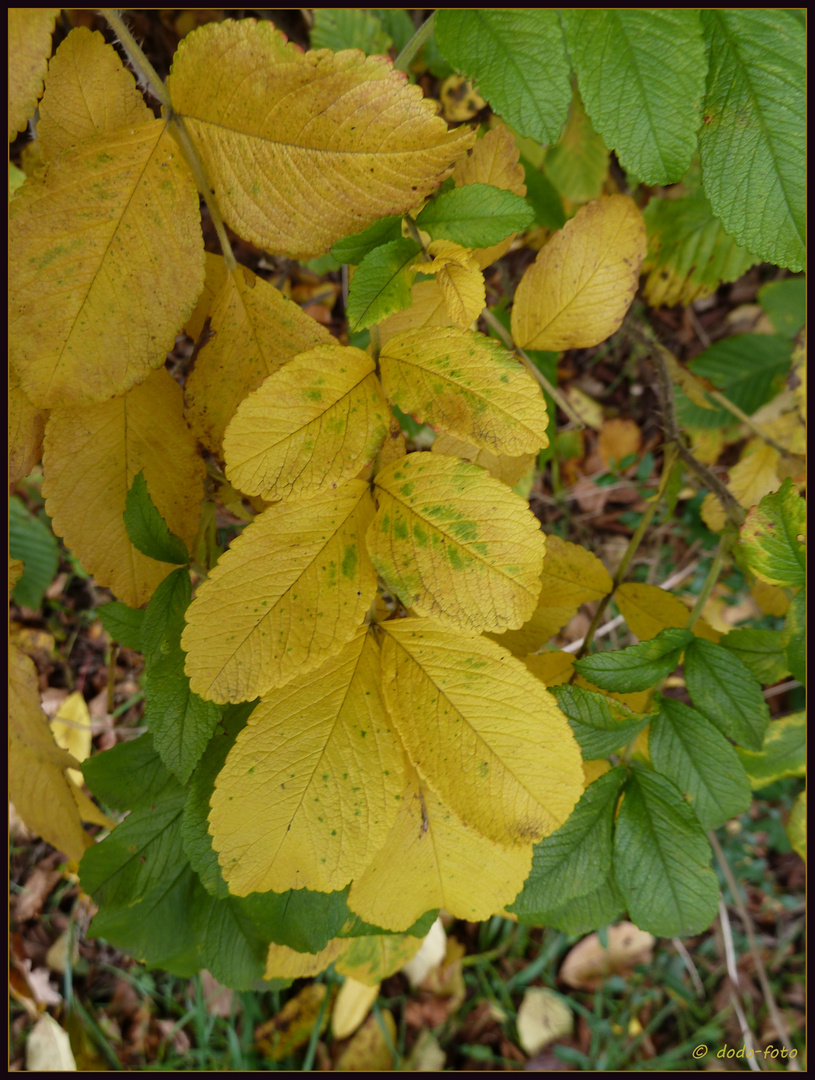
(38, 786)
(88, 92)
(256, 331)
(797, 825)
(579, 288)
(689, 382)
(90, 459)
(306, 148)
(289, 593)
(285, 963)
(509, 470)
(310, 426)
(15, 572)
(773, 538)
(494, 160)
(578, 163)
(431, 859)
(26, 424)
(372, 958)
(455, 543)
(427, 309)
(571, 576)
(481, 731)
(306, 796)
(552, 668)
(468, 385)
(755, 476)
(29, 46)
(460, 280)
(648, 609)
(107, 261)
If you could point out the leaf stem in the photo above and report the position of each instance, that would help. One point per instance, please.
(716, 568)
(194, 162)
(747, 421)
(410, 51)
(145, 70)
(553, 391)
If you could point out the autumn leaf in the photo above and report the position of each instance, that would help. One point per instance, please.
(579, 288)
(753, 477)
(647, 609)
(307, 794)
(427, 308)
(454, 543)
(305, 148)
(509, 470)
(289, 593)
(481, 731)
(92, 455)
(468, 385)
(310, 426)
(29, 46)
(371, 958)
(26, 424)
(460, 280)
(431, 859)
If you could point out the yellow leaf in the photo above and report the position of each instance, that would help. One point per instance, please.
(593, 770)
(772, 599)
(306, 797)
(427, 309)
(647, 609)
(29, 46)
(468, 385)
(552, 668)
(619, 437)
(294, 1023)
(107, 261)
(90, 459)
(431, 859)
(353, 1004)
(371, 1049)
(48, 1047)
(799, 371)
(755, 476)
(289, 593)
(71, 728)
(215, 274)
(38, 786)
(707, 444)
(88, 810)
(481, 731)
(459, 99)
(797, 825)
(494, 160)
(589, 410)
(308, 427)
(15, 572)
(571, 576)
(306, 148)
(256, 331)
(372, 958)
(26, 424)
(455, 543)
(543, 1016)
(579, 288)
(88, 92)
(637, 701)
(691, 384)
(509, 470)
(285, 963)
(460, 280)
(591, 961)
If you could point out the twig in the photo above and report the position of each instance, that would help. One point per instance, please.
(679, 945)
(774, 691)
(410, 51)
(733, 975)
(772, 1008)
(747, 421)
(713, 574)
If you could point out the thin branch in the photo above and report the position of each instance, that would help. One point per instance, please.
(733, 975)
(144, 69)
(747, 421)
(713, 575)
(411, 50)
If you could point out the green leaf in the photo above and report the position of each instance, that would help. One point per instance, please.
(397, 24)
(543, 197)
(31, 540)
(349, 28)
(16, 179)
(761, 651)
(782, 754)
(232, 948)
(689, 253)
(570, 863)
(748, 369)
(578, 163)
(123, 623)
(772, 538)
(602, 906)
(353, 249)
(784, 303)
(128, 776)
(639, 666)
(518, 61)
(703, 765)
(182, 723)
(381, 283)
(303, 920)
(723, 689)
(356, 927)
(794, 638)
(476, 215)
(753, 141)
(661, 859)
(148, 530)
(641, 75)
(600, 724)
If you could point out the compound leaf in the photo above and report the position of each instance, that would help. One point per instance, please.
(579, 288)
(455, 543)
(431, 859)
(468, 385)
(481, 731)
(642, 78)
(753, 141)
(90, 460)
(722, 689)
(600, 724)
(29, 46)
(305, 798)
(310, 426)
(289, 593)
(306, 148)
(762, 651)
(639, 666)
